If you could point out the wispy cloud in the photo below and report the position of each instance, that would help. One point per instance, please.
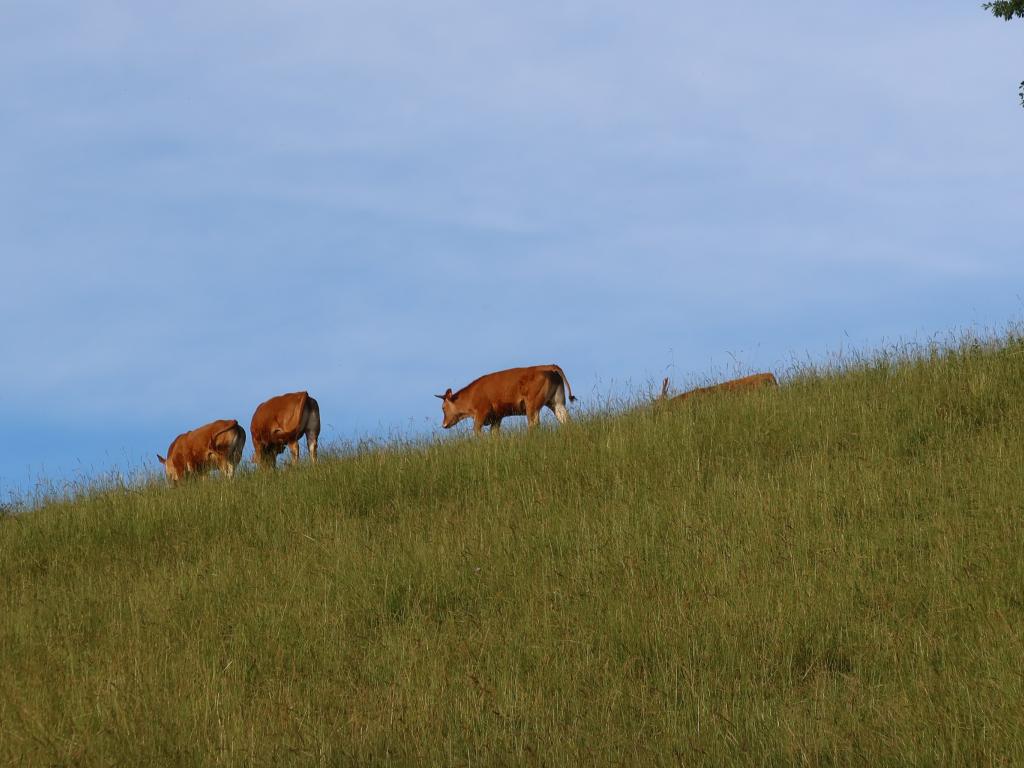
(206, 204)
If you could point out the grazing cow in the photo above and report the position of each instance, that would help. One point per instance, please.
(281, 421)
(217, 445)
(747, 382)
(515, 392)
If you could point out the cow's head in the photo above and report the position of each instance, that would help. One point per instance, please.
(265, 454)
(452, 408)
(173, 472)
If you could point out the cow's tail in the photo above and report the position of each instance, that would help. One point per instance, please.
(233, 427)
(565, 381)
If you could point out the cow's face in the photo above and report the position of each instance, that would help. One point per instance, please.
(452, 409)
(266, 455)
(172, 471)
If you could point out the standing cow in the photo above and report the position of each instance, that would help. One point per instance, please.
(282, 421)
(217, 445)
(515, 392)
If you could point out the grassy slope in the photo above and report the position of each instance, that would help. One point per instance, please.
(829, 572)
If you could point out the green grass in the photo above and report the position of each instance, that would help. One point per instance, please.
(832, 572)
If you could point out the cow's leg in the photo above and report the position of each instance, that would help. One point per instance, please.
(557, 405)
(267, 458)
(227, 468)
(219, 460)
(495, 426)
(293, 446)
(312, 428)
(532, 417)
(236, 456)
(478, 423)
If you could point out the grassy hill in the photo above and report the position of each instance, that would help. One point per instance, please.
(829, 572)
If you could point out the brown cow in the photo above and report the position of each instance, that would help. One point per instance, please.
(281, 421)
(217, 445)
(747, 382)
(515, 392)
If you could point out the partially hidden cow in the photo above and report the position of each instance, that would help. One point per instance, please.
(747, 382)
(217, 445)
(515, 392)
(282, 421)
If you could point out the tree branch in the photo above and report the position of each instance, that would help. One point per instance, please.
(1006, 9)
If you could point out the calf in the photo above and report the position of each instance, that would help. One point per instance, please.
(281, 421)
(217, 445)
(747, 382)
(515, 392)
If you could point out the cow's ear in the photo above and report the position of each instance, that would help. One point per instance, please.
(446, 396)
(161, 458)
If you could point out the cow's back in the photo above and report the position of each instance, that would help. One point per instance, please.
(752, 382)
(747, 382)
(281, 414)
(503, 388)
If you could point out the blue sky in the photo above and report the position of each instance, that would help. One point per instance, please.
(202, 205)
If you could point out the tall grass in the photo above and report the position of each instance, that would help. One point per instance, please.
(831, 572)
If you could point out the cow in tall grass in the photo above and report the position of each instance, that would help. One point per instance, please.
(515, 392)
(217, 445)
(282, 421)
(755, 381)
